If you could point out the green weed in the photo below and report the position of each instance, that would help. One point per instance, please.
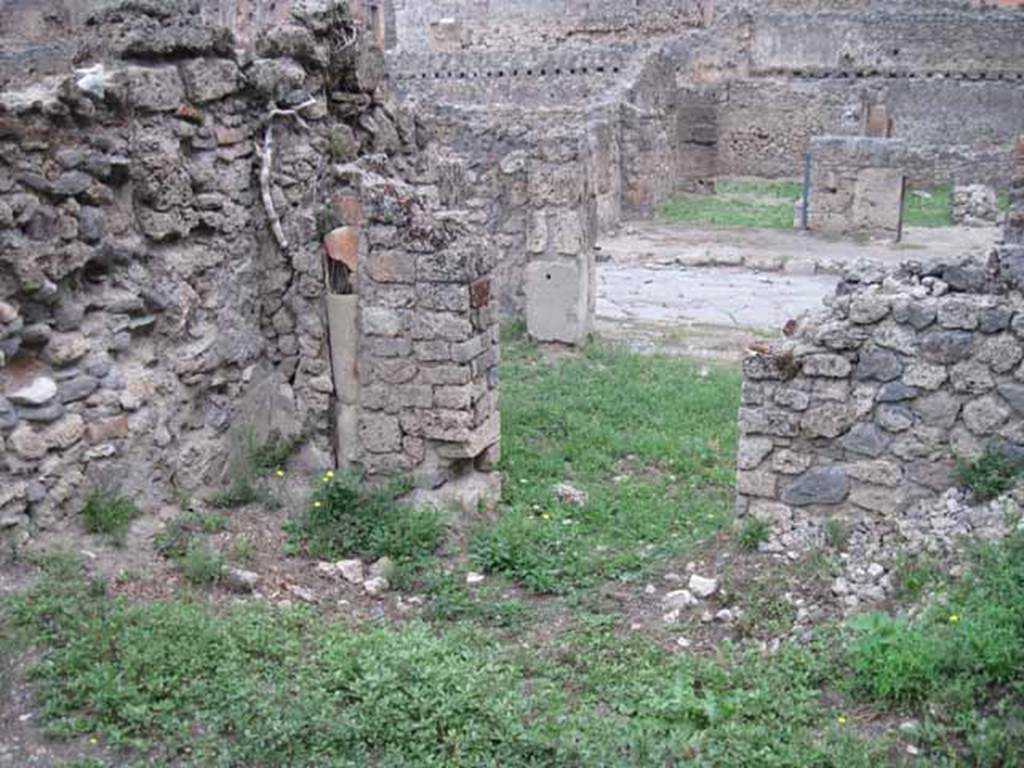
(754, 533)
(109, 513)
(837, 534)
(989, 476)
(201, 565)
(348, 518)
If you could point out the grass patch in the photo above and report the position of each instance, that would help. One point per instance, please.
(258, 686)
(650, 441)
(737, 204)
(110, 513)
(959, 665)
(928, 208)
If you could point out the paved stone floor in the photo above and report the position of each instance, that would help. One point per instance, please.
(710, 293)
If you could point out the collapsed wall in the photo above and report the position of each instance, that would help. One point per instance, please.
(854, 426)
(165, 291)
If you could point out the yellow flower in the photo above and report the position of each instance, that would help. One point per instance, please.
(280, 473)
(329, 474)
(547, 515)
(954, 619)
(316, 505)
(93, 740)
(841, 720)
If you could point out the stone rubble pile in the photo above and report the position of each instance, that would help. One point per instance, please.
(975, 205)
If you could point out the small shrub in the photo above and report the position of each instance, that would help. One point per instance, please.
(110, 513)
(837, 534)
(989, 476)
(754, 533)
(348, 518)
(201, 565)
(242, 551)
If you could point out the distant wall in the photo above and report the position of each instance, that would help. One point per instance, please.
(450, 25)
(764, 124)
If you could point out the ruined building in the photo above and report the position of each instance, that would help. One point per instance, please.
(304, 218)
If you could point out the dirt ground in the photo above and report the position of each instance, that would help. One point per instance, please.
(710, 292)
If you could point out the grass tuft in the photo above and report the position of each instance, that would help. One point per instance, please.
(989, 476)
(110, 513)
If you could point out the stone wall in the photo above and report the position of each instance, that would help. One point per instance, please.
(956, 130)
(154, 317)
(447, 25)
(851, 429)
(856, 187)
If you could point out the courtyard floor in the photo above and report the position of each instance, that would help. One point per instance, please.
(708, 292)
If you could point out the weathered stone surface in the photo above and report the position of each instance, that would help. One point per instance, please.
(65, 433)
(971, 378)
(27, 443)
(756, 484)
(880, 472)
(878, 365)
(940, 409)
(829, 366)
(895, 392)
(1014, 395)
(925, 376)
(826, 420)
(895, 418)
(865, 439)
(78, 388)
(789, 462)
(754, 450)
(865, 310)
(985, 415)
(380, 433)
(959, 313)
(208, 80)
(947, 347)
(1001, 353)
(819, 486)
(42, 390)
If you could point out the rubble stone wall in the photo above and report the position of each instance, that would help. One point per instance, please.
(152, 320)
(851, 429)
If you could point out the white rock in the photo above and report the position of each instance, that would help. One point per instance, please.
(473, 578)
(305, 595)
(571, 495)
(650, 589)
(40, 391)
(724, 616)
(376, 585)
(876, 570)
(703, 587)
(683, 642)
(671, 617)
(678, 599)
(350, 570)
(240, 580)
